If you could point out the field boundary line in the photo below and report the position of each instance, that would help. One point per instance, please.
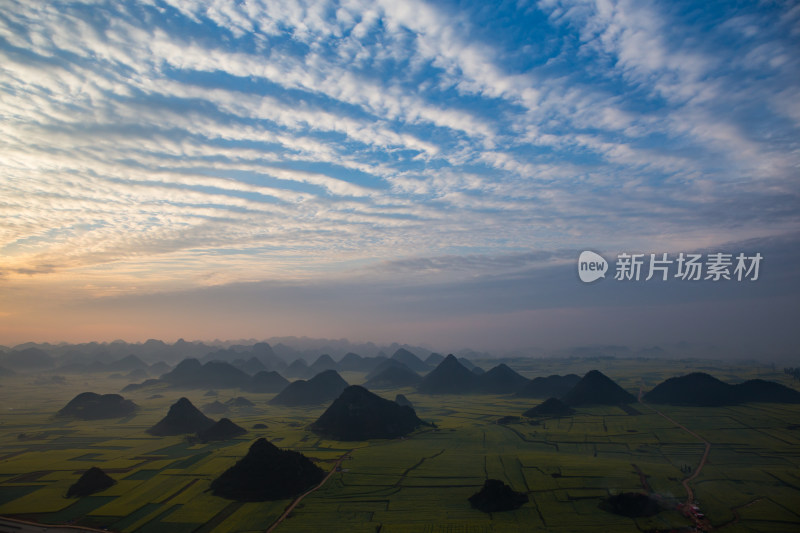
(297, 501)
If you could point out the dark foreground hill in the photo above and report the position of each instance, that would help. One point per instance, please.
(450, 377)
(183, 417)
(497, 496)
(267, 473)
(595, 388)
(701, 389)
(358, 414)
(322, 388)
(222, 430)
(550, 407)
(91, 481)
(394, 377)
(93, 406)
(500, 380)
(554, 386)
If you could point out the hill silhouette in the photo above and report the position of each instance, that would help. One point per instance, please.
(322, 388)
(127, 363)
(267, 381)
(267, 473)
(240, 401)
(191, 374)
(182, 417)
(434, 359)
(351, 361)
(701, 389)
(215, 408)
(91, 481)
(297, 369)
(358, 414)
(383, 365)
(323, 362)
(222, 430)
(450, 377)
(554, 386)
(410, 360)
(497, 496)
(595, 388)
(249, 366)
(500, 380)
(550, 407)
(394, 377)
(93, 406)
(400, 399)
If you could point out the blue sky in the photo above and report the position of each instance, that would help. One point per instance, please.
(161, 150)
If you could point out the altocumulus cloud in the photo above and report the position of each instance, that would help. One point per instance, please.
(167, 145)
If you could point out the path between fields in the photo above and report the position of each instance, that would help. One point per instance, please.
(685, 482)
(23, 526)
(309, 491)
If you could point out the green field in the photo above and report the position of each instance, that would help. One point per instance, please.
(751, 482)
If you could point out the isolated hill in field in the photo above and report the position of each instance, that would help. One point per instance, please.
(410, 360)
(500, 379)
(322, 388)
(497, 496)
(401, 399)
(450, 377)
(358, 414)
(240, 401)
(554, 386)
(190, 373)
(222, 430)
(126, 364)
(351, 361)
(297, 369)
(267, 381)
(394, 377)
(215, 408)
(323, 362)
(182, 417)
(759, 390)
(91, 481)
(434, 359)
(701, 389)
(93, 406)
(631, 504)
(267, 473)
(550, 407)
(595, 388)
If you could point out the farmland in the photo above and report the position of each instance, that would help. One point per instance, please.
(750, 483)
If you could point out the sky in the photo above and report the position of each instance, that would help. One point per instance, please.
(419, 172)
